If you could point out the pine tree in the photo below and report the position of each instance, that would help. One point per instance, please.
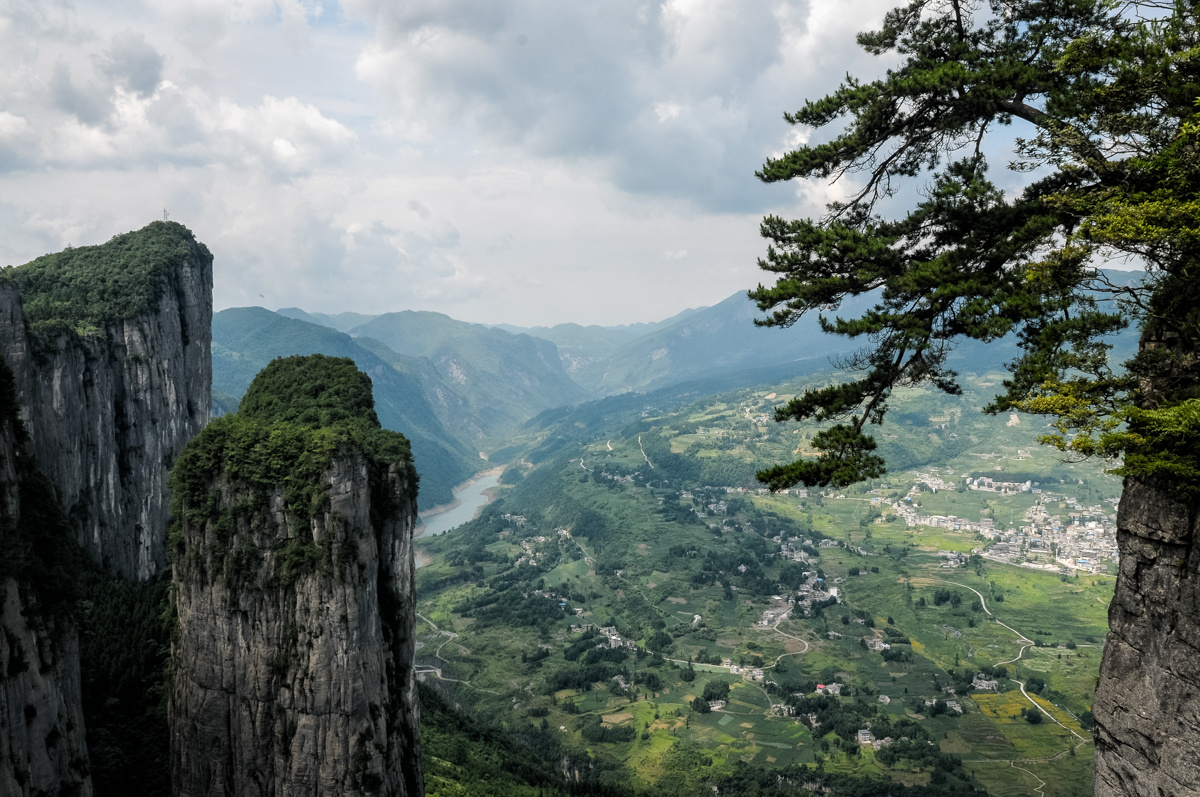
(1107, 102)
(1104, 97)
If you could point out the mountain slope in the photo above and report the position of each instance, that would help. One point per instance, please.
(720, 338)
(451, 409)
(579, 346)
(342, 322)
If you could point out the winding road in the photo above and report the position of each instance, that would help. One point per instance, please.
(648, 462)
(1025, 643)
(429, 669)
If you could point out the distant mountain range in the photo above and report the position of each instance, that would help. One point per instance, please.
(706, 343)
(458, 389)
(580, 346)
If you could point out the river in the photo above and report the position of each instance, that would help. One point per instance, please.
(471, 498)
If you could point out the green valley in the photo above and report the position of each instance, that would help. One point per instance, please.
(632, 593)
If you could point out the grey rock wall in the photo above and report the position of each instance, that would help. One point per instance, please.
(107, 413)
(295, 677)
(42, 745)
(1147, 703)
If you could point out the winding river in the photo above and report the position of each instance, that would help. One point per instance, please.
(471, 496)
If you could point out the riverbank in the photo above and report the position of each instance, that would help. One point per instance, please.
(470, 499)
(457, 502)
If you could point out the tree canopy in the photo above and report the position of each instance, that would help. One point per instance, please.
(314, 391)
(298, 414)
(1103, 99)
(81, 289)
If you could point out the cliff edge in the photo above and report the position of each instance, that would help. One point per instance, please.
(105, 374)
(292, 568)
(110, 349)
(42, 746)
(1147, 703)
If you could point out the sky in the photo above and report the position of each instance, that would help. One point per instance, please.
(531, 162)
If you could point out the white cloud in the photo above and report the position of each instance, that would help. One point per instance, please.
(132, 63)
(89, 104)
(17, 140)
(203, 25)
(530, 161)
(12, 126)
(281, 135)
(677, 99)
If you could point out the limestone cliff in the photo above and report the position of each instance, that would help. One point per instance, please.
(42, 747)
(110, 346)
(107, 374)
(293, 582)
(1147, 703)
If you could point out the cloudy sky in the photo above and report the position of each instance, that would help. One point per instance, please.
(524, 161)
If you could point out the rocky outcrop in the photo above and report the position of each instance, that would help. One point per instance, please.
(109, 407)
(42, 746)
(107, 363)
(293, 583)
(1147, 703)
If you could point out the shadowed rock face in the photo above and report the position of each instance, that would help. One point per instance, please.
(41, 751)
(108, 394)
(1147, 703)
(42, 747)
(108, 411)
(293, 580)
(305, 687)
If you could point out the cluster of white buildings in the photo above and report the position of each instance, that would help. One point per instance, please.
(1085, 540)
(528, 545)
(913, 517)
(791, 550)
(1075, 538)
(988, 484)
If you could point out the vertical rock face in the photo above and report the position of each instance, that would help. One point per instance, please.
(1147, 702)
(106, 359)
(293, 580)
(42, 747)
(113, 385)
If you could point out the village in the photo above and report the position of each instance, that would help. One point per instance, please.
(1056, 533)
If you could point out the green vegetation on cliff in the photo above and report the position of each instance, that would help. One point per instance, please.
(298, 416)
(81, 289)
(314, 391)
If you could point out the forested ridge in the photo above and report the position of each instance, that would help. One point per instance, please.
(80, 289)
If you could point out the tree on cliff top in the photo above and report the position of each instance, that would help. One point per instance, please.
(81, 289)
(1107, 102)
(298, 414)
(314, 391)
